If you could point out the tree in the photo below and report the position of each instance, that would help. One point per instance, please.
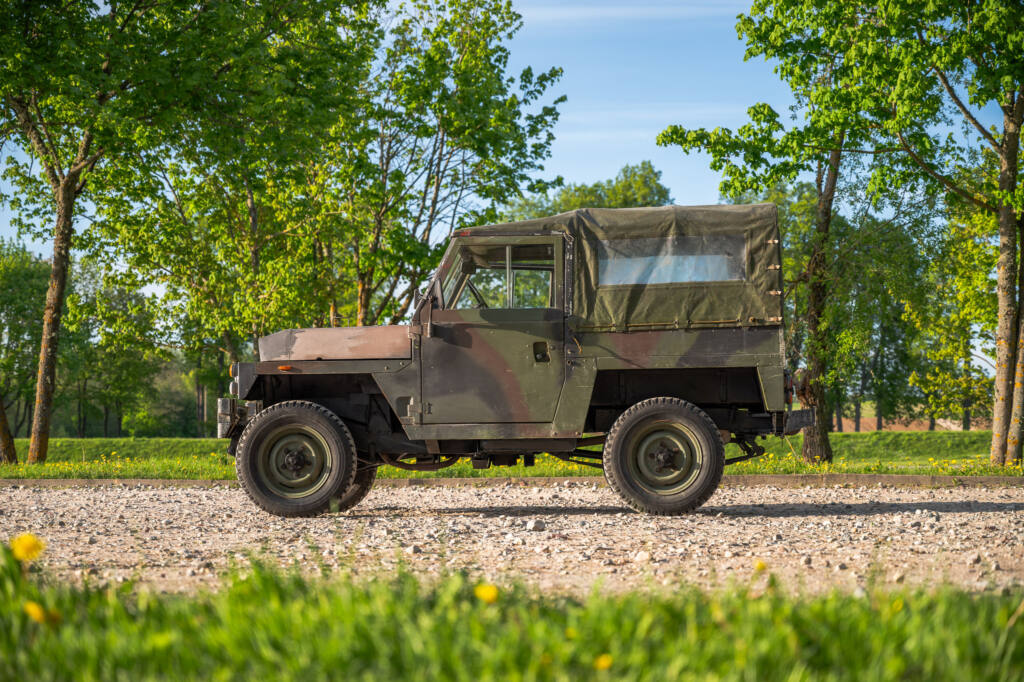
(762, 154)
(22, 291)
(956, 326)
(634, 185)
(874, 271)
(924, 75)
(342, 223)
(448, 136)
(115, 346)
(86, 84)
(938, 66)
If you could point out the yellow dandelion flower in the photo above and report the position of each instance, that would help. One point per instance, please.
(570, 632)
(486, 593)
(760, 566)
(603, 662)
(36, 612)
(27, 547)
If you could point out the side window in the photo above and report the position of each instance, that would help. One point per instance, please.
(707, 258)
(533, 269)
(484, 284)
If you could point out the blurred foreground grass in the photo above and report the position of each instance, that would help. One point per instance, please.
(265, 624)
(929, 453)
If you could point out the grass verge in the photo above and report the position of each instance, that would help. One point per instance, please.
(927, 453)
(272, 625)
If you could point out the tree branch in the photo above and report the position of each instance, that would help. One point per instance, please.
(28, 127)
(942, 179)
(966, 112)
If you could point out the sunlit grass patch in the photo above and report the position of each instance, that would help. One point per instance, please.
(265, 624)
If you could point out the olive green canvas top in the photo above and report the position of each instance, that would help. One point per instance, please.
(667, 267)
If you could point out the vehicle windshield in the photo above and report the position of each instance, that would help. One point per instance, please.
(450, 273)
(498, 275)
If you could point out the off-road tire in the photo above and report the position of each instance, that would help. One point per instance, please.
(339, 446)
(656, 415)
(366, 474)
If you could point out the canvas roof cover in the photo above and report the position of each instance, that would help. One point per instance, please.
(668, 267)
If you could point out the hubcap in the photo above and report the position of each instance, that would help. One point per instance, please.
(294, 461)
(665, 457)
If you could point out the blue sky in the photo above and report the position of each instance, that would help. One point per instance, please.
(631, 69)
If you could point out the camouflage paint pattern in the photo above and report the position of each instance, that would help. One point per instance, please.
(500, 373)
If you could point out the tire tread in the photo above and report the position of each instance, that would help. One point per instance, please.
(653, 405)
(249, 486)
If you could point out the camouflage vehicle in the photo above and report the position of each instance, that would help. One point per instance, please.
(655, 332)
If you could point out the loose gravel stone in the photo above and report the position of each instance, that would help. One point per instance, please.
(183, 538)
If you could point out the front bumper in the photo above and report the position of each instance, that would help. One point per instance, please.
(233, 415)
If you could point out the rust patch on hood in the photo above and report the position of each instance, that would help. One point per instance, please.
(385, 342)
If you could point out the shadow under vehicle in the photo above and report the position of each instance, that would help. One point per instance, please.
(655, 332)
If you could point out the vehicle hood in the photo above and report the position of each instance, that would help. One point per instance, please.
(383, 342)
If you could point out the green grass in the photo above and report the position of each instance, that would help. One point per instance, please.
(273, 625)
(929, 453)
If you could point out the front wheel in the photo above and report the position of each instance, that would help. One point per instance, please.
(296, 458)
(664, 456)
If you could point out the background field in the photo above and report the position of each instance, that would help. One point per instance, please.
(930, 452)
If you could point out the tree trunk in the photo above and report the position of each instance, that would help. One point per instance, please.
(222, 385)
(856, 416)
(254, 255)
(81, 408)
(1015, 431)
(966, 420)
(817, 447)
(839, 417)
(199, 397)
(1008, 366)
(931, 423)
(8, 455)
(23, 407)
(106, 418)
(878, 419)
(362, 302)
(47, 373)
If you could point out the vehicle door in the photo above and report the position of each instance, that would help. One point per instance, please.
(496, 348)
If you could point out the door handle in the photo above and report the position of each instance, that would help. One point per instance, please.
(540, 352)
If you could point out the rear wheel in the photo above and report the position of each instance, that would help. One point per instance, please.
(296, 458)
(664, 456)
(366, 474)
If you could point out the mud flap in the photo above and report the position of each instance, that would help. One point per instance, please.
(796, 420)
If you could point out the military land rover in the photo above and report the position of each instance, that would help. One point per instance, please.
(653, 332)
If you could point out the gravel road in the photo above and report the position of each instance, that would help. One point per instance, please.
(565, 537)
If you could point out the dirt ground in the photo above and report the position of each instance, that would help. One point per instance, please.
(568, 537)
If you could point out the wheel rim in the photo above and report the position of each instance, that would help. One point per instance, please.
(294, 461)
(665, 457)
